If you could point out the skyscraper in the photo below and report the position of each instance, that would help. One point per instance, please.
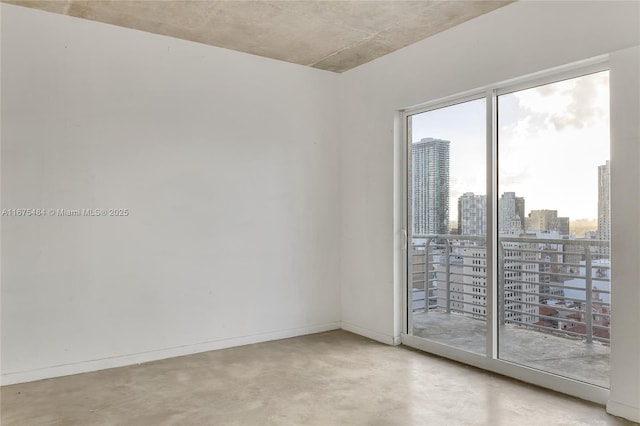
(604, 209)
(430, 195)
(472, 214)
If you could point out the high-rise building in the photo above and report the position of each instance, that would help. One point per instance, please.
(430, 195)
(472, 214)
(546, 221)
(467, 283)
(521, 282)
(510, 213)
(520, 211)
(604, 207)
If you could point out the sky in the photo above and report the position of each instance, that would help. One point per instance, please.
(551, 140)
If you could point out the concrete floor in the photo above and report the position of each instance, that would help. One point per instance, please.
(568, 357)
(333, 378)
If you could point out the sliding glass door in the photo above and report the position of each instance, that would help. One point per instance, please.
(553, 225)
(448, 224)
(508, 224)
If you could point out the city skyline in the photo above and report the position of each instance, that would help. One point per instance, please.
(547, 135)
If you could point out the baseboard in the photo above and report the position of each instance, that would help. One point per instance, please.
(139, 358)
(623, 410)
(371, 334)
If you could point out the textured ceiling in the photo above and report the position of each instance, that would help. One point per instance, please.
(330, 35)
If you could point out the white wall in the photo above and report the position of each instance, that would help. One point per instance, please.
(625, 227)
(227, 163)
(510, 42)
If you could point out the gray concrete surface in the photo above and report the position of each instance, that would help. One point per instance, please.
(330, 35)
(333, 378)
(573, 358)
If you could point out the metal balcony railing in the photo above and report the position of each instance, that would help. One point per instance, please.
(559, 286)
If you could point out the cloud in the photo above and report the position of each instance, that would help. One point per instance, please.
(575, 103)
(589, 103)
(552, 141)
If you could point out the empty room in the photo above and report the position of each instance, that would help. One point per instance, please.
(320, 212)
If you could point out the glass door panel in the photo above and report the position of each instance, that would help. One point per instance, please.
(447, 225)
(553, 223)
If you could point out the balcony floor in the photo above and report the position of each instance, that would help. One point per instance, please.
(576, 359)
